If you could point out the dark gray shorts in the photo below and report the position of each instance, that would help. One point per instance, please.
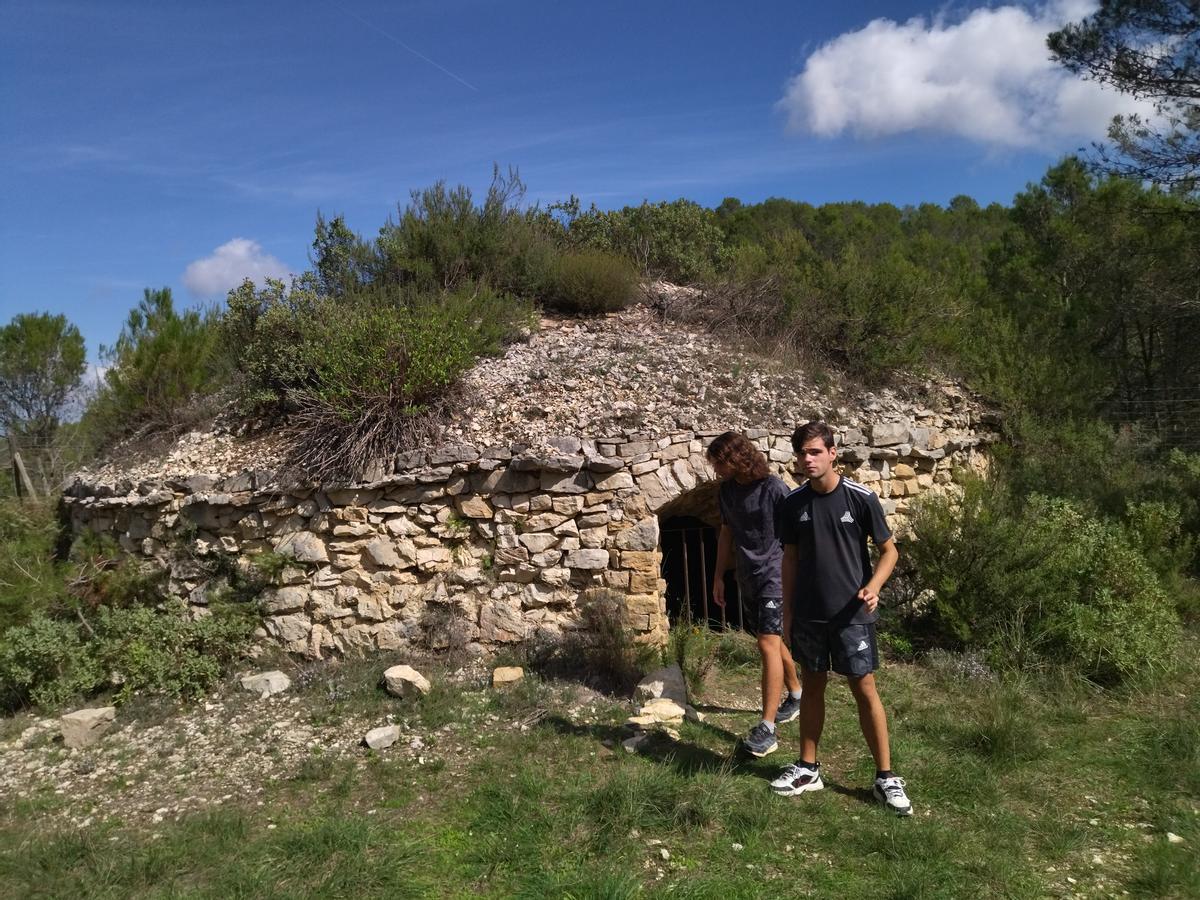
(770, 616)
(846, 649)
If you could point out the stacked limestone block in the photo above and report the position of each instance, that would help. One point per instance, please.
(472, 547)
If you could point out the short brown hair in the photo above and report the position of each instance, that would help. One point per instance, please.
(810, 430)
(736, 451)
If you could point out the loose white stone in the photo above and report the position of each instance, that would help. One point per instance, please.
(405, 681)
(379, 738)
(664, 710)
(84, 727)
(265, 684)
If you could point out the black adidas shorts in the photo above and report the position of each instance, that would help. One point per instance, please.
(770, 616)
(846, 649)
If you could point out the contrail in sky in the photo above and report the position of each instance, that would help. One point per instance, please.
(396, 40)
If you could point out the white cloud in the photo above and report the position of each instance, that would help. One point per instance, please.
(988, 77)
(229, 265)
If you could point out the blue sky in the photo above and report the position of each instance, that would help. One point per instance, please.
(140, 139)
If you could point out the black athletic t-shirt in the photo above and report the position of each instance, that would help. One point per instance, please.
(751, 512)
(830, 532)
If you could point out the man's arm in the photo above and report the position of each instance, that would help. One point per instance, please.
(724, 561)
(888, 555)
(788, 583)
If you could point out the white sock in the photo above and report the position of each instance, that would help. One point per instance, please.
(795, 695)
(770, 726)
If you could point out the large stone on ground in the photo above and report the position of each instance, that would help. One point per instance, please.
(663, 709)
(84, 727)
(405, 681)
(266, 683)
(667, 682)
(506, 675)
(379, 738)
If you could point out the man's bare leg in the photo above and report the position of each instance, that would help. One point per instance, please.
(790, 679)
(769, 648)
(812, 713)
(872, 719)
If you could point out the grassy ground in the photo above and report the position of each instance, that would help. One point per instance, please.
(1022, 789)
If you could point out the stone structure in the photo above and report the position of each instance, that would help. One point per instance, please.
(477, 547)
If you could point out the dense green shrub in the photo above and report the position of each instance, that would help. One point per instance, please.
(444, 240)
(45, 662)
(865, 316)
(163, 651)
(679, 240)
(366, 373)
(441, 240)
(163, 371)
(51, 662)
(1041, 583)
(588, 281)
(30, 577)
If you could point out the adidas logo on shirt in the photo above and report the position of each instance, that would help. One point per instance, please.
(804, 517)
(846, 517)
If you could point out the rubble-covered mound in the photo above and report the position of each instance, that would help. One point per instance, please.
(611, 376)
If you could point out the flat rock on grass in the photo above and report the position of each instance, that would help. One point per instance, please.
(385, 736)
(84, 727)
(405, 681)
(265, 684)
(506, 675)
(667, 682)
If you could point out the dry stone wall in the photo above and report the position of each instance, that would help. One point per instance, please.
(476, 547)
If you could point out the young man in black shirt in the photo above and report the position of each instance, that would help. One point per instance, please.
(830, 594)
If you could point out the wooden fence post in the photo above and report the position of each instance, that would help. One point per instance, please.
(21, 478)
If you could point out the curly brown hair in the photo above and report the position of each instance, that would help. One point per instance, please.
(738, 453)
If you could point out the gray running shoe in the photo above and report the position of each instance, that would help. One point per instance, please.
(796, 779)
(788, 710)
(890, 792)
(760, 741)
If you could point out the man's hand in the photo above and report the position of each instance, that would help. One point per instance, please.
(869, 598)
(719, 592)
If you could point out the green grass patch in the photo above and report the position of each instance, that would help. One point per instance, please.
(1012, 781)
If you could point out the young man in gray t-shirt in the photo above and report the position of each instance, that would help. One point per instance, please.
(749, 498)
(831, 592)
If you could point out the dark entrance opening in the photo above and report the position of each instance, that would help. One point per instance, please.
(689, 527)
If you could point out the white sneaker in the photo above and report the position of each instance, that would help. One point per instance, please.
(796, 779)
(890, 792)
